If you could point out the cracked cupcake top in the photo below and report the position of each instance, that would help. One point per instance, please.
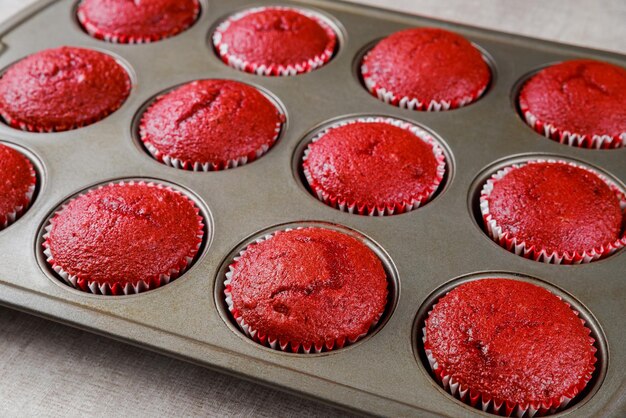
(211, 121)
(309, 285)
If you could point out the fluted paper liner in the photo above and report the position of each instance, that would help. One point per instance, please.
(521, 248)
(121, 288)
(390, 208)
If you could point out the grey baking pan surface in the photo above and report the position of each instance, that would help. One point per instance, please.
(426, 251)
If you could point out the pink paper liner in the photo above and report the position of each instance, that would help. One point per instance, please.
(509, 242)
(121, 288)
(271, 341)
(486, 403)
(414, 103)
(94, 31)
(273, 70)
(9, 218)
(353, 206)
(572, 139)
(205, 166)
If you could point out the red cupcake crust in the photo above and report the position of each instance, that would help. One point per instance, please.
(579, 102)
(275, 41)
(374, 166)
(124, 21)
(310, 287)
(61, 89)
(510, 341)
(124, 233)
(556, 207)
(425, 69)
(17, 184)
(210, 125)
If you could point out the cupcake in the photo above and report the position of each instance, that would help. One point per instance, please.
(62, 89)
(508, 347)
(17, 185)
(374, 166)
(123, 238)
(581, 103)
(425, 69)
(275, 41)
(554, 211)
(308, 289)
(136, 22)
(210, 125)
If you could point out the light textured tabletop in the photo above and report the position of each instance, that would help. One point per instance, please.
(47, 369)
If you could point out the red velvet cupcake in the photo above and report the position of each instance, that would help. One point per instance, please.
(275, 41)
(17, 185)
(136, 22)
(509, 347)
(581, 103)
(210, 125)
(374, 166)
(554, 211)
(425, 69)
(123, 238)
(307, 289)
(62, 89)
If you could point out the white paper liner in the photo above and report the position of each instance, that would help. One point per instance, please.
(242, 64)
(206, 166)
(94, 31)
(128, 288)
(19, 210)
(488, 404)
(572, 139)
(275, 343)
(519, 247)
(414, 103)
(388, 208)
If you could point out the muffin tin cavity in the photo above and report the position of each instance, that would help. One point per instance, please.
(390, 98)
(89, 288)
(590, 322)
(441, 152)
(38, 167)
(91, 28)
(478, 211)
(561, 134)
(182, 164)
(393, 287)
(327, 23)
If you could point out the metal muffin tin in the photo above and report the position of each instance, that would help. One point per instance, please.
(424, 249)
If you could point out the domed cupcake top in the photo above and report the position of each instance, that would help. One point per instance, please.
(374, 166)
(275, 41)
(308, 287)
(61, 89)
(123, 21)
(509, 342)
(124, 237)
(210, 125)
(425, 69)
(579, 103)
(555, 210)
